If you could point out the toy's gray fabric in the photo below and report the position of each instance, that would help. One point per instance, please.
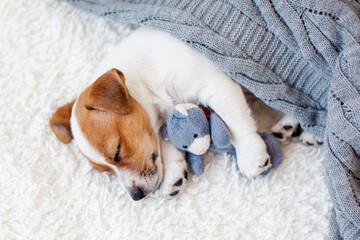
(210, 133)
(298, 56)
(180, 129)
(220, 135)
(183, 129)
(273, 148)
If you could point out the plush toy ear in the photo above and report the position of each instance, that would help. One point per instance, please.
(165, 134)
(181, 110)
(109, 93)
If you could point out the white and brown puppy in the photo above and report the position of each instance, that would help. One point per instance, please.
(116, 121)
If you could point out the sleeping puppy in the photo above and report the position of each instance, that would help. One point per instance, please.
(116, 121)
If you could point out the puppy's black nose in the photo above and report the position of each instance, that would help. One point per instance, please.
(137, 195)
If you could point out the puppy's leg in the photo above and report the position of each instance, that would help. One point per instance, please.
(175, 170)
(226, 98)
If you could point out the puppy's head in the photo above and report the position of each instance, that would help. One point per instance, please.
(114, 132)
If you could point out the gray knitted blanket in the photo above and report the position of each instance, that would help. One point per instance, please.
(299, 56)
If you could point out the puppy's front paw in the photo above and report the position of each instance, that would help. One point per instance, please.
(310, 140)
(173, 184)
(252, 157)
(175, 170)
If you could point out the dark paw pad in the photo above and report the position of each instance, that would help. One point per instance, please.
(288, 127)
(178, 182)
(266, 163)
(186, 175)
(298, 130)
(278, 135)
(174, 193)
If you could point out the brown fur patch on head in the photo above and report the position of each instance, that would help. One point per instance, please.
(115, 123)
(109, 93)
(101, 168)
(60, 123)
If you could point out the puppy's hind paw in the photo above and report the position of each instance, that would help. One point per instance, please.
(286, 128)
(310, 140)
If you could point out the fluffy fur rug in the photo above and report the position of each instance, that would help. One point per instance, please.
(48, 52)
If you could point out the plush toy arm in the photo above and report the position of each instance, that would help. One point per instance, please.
(196, 163)
(220, 134)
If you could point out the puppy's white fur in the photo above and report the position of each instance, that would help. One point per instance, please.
(161, 71)
(183, 108)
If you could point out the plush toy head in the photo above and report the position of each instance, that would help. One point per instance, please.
(188, 129)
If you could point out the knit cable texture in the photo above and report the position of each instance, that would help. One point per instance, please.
(299, 56)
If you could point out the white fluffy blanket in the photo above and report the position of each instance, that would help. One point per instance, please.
(48, 52)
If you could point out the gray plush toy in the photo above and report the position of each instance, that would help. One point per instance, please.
(197, 129)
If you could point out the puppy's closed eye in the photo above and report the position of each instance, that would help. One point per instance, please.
(154, 156)
(117, 157)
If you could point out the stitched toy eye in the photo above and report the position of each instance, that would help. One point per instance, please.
(184, 146)
(195, 135)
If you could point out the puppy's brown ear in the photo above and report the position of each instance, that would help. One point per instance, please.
(60, 123)
(109, 93)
